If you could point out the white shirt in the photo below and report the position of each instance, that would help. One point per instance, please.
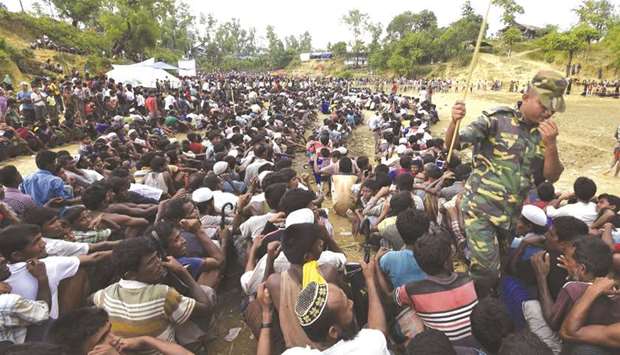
(59, 247)
(140, 100)
(252, 170)
(254, 225)
(169, 101)
(374, 122)
(58, 268)
(251, 279)
(367, 342)
(580, 210)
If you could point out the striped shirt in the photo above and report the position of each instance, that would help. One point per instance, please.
(138, 309)
(17, 313)
(442, 303)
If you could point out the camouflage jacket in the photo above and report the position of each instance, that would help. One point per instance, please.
(507, 153)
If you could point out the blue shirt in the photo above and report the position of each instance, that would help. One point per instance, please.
(194, 265)
(22, 95)
(43, 186)
(401, 267)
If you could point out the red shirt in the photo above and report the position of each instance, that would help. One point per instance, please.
(196, 148)
(151, 104)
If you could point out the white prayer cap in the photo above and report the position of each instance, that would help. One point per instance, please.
(220, 167)
(401, 149)
(202, 194)
(534, 215)
(342, 150)
(304, 215)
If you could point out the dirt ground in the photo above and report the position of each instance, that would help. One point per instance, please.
(586, 137)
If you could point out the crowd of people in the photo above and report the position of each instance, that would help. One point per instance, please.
(123, 245)
(44, 42)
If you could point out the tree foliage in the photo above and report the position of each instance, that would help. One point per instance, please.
(597, 13)
(339, 49)
(78, 11)
(511, 36)
(358, 23)
(411, 22)
(571, 41)
(414, 39)
(510, 10)
(612, 40)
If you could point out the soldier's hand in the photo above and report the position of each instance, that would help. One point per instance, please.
(548, 131)
(458, 111)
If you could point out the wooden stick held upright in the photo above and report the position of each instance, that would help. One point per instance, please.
(472, 66)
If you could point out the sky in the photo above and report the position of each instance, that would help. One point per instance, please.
(322, 18)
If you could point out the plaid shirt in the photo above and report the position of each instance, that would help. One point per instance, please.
(17, 313)
(92, 236)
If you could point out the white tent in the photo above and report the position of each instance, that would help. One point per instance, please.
(187, 67)
(163, 65)
(142, 76)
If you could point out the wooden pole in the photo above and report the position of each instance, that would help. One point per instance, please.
(472, 66)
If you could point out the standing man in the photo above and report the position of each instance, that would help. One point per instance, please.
(24, 98)
(511, 148)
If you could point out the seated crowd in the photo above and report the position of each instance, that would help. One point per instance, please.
(124, 245)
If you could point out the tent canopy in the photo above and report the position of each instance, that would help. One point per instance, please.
(140, 75)
(165, 66)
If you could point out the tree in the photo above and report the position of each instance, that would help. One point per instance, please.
(596, 13)
(79, 11)
(450, 43)
(176, 24)
(305, 42)
(588, 34)
(413, 49)
(467, 10)
(408, 21)
(339, 49)
(400, 24)
(612, 40)
(571, 42)
(276, 52)
(130, 26)
(510, 10)
(511, 36)
(375, 30)
(356, 20)
(37, 9)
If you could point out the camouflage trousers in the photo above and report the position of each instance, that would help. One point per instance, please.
(488, 232)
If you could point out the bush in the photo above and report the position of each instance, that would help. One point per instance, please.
(549, 57)
(345, 74)
(421, 71)
(95, 64)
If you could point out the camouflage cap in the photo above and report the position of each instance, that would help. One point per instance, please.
(550, 87)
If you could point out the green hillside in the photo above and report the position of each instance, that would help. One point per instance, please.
(18, 31)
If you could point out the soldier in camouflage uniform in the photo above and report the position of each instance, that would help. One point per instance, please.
(509, 146)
